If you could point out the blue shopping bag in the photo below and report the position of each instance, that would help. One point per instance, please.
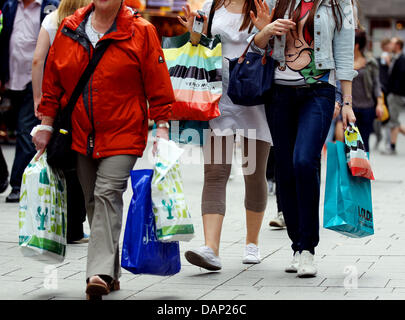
(141, 251)
(348, 206)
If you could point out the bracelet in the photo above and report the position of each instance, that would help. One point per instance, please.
(348, 96)
(41, 127)
(347, 104)
(163, 125)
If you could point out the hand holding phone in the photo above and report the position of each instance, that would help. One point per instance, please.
(198, 24)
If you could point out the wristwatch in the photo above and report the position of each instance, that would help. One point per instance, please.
(163, 125)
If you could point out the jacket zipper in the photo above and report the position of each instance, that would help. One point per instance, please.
(90, 138)
(91, 114)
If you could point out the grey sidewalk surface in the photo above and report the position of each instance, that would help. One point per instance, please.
(370, 268)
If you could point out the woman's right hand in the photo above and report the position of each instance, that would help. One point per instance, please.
(41, 140)
(188, 20)
(279, 27)
(263, 16)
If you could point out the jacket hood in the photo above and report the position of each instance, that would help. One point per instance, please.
(122, 27)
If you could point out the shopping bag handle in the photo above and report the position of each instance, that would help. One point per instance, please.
(243, 56)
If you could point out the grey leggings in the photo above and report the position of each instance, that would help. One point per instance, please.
(218, 153)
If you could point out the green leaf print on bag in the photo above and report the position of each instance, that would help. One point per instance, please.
(42, 212)
(161, 166)
(172, 217)
(168, 208)
(43, 177)
(41, 217)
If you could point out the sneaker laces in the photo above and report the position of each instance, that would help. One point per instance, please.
(209, 253)
(307, 258)
(252, 249)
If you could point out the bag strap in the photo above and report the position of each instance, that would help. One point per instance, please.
(243, 56)
(97, 55)
(210, 19)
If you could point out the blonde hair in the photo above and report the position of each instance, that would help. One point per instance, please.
(68, 7)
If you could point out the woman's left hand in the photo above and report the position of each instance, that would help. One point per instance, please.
(263, 17)
(161, 133)
(347, 116)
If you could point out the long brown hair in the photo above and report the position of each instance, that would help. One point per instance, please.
(283, 5)
(248, 6)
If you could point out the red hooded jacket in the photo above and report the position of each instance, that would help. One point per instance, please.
(113, 106)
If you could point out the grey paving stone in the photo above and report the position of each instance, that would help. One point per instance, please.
(380, 259)
(396, 283)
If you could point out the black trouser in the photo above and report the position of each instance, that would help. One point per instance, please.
(364, 121)
(76, 209)
(3, 167)
(271, 175)
(22, 103)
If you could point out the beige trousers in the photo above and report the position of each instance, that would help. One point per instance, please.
(103, 182)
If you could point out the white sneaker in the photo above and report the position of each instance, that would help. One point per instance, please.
(278, 221)
(252, 254)
(271, 187)
(204, 257)
(306, 268)
(293, 266)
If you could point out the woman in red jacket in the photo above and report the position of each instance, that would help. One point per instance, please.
(110, 119)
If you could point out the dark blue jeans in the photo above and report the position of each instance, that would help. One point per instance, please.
(299, 120)
(23, 104)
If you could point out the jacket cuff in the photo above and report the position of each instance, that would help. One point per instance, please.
(160, 113)
(48, 109)
(254, 47)
(346, 75)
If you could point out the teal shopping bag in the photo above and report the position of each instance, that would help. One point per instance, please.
(348, 205)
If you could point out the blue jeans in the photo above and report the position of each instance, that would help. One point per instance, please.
(299, 120)
(23, 103)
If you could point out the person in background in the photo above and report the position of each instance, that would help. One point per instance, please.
(109, 121)
(21, 25)
(232, 22)
(367, 95)
(3, 163)
(336, 132)
(384, 62)
(3, 173)
(396, 92)
(76, 210)
(278, 220)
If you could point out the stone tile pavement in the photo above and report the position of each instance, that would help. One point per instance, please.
(371, 268)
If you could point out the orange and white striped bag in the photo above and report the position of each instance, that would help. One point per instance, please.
(357, 157)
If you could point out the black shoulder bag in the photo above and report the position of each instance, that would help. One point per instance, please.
(59, 150)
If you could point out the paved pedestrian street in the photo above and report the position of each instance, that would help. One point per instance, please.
(371, 268)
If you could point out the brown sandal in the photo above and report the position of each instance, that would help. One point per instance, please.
(95, 290)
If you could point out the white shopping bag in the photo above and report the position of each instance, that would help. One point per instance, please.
(172, 217)
(42, 212)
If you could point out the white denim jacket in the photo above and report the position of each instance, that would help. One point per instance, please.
(334, 49)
